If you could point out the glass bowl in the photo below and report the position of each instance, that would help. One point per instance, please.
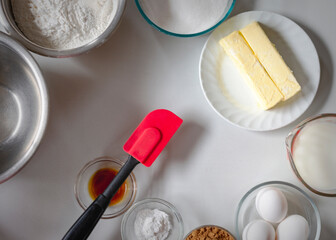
(146, 10)
(82, 192)
(291, 140)
(127, 223)
(7, 19)
(204, 226)
(298, 203)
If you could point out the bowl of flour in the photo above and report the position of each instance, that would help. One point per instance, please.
(152, 219)
(61, 28)
(185, 18)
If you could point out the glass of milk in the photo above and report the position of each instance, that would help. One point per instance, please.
(311, 150)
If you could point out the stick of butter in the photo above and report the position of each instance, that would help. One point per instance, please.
(271, 60)
(255, 75)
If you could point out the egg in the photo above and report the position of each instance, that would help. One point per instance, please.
(259, 230)
(293, 227)
(271, 204)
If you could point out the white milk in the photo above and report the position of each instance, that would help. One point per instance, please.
(315, 154)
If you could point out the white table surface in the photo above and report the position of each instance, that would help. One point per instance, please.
(97, 99)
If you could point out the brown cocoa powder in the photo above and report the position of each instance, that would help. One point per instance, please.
(210, 233)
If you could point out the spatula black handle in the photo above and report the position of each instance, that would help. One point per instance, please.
(120, 178)
(88, 220)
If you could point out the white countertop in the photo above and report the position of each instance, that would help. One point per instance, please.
(97, 99)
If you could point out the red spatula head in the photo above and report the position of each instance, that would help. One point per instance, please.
(152, 135)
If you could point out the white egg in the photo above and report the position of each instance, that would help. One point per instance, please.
(259, 230)
(271, 204)
(293, 227)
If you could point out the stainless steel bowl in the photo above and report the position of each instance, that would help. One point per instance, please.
(7, 19)
(23, 106)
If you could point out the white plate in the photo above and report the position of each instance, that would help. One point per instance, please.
(225, 89)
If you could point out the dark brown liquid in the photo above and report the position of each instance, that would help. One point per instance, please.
(100, 180)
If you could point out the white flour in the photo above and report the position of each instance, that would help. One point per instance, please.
(62, 24)
(152, 225)
(185, 16)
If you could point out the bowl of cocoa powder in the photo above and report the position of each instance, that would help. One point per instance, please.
(209, 232)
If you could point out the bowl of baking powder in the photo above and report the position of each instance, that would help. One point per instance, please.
(63, 29)
(185, 18)
(152, 218)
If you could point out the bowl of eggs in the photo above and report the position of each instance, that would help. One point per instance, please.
(277, 210)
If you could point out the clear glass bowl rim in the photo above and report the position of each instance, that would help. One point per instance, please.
(290, 139)
(181, 34)
(316, 211)
(209, 225)
(119, 163)
(151, 200)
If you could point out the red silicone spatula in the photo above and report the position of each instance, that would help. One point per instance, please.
(144, 145)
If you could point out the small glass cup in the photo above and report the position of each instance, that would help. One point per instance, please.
(127, 223)
(290, 142)
(82, 191)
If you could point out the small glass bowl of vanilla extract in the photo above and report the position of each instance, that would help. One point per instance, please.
(95, 176)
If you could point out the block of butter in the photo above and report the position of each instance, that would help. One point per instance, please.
(271, 60)
(254, 73)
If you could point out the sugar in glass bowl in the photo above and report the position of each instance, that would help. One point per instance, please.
(185, 18)
(311, 150)
(81, 187)
(298, 203)
(127, 224)
(8, 21)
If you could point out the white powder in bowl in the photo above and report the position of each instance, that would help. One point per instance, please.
(62, 24)
(184, 16)
(152, 225)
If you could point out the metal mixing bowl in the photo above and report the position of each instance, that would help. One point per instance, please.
(23, 106)
(7, 19)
